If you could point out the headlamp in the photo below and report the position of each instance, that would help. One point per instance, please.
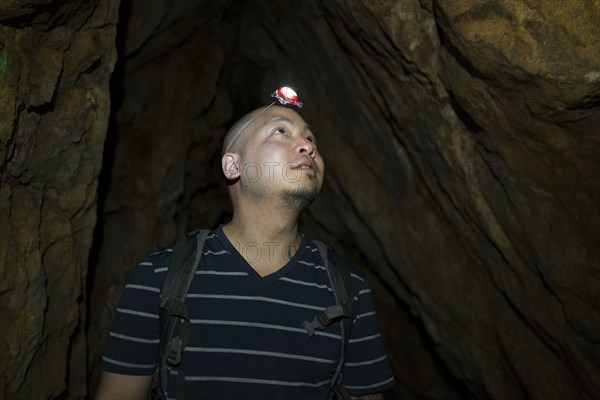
(285, 95)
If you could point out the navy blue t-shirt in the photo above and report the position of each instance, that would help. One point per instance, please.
(247, 340)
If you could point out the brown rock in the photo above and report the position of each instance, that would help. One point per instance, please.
(461, 146)
(54, 76)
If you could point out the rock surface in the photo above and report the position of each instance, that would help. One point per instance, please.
(56, 60)
(461, 145)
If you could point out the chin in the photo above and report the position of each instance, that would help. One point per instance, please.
(300, 198)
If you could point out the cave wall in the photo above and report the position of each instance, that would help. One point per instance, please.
(56, 60)
(457, 135)
(170, 125)
(460, 139)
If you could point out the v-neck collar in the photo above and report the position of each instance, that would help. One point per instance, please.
(244, 265)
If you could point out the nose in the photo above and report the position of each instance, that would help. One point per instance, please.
(306, 147)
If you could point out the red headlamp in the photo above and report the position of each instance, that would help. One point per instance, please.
(285, 95)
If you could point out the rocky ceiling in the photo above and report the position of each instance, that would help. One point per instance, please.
(461, 141)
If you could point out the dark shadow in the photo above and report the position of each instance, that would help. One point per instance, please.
(117, 94)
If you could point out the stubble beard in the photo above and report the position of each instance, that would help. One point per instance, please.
(299, 199)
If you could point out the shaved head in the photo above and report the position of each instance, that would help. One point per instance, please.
(271, 153)
(234, 138)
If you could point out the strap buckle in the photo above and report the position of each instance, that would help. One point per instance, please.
(326, 317)
(174, 351)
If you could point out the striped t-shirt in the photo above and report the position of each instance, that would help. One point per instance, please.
(247, 340)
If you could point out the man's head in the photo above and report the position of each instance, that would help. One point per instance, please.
(272, 153)
(233, 140)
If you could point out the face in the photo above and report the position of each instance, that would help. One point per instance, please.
(279, 156)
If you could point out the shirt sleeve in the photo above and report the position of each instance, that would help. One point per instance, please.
(367, 369)
(133, 342)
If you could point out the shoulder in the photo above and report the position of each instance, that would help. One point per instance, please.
(160, 258)
(358, 278)
(150, 272)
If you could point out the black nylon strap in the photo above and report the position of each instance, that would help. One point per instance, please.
(339, 277)
(185, 336)
(326, 317)
(182, 268)
(166, 321)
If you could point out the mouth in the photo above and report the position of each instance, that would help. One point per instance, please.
(306, 166)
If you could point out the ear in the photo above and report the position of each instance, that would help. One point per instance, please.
(230, 163)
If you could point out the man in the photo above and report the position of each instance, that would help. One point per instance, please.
(258, 279)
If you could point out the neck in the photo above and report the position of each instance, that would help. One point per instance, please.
(263, 222)
(271, 227)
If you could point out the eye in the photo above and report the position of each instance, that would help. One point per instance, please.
(311, 139)
(279, 131)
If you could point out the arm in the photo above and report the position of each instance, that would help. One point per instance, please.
(366, 368)
(119, 386)
(133, 343)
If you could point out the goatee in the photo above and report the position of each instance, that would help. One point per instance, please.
(299, 199)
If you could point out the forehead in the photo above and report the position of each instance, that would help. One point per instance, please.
(280, 114)
(270, 117)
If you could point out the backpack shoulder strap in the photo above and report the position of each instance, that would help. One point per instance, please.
(184, 261)
(339, 277)
(182, 268)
